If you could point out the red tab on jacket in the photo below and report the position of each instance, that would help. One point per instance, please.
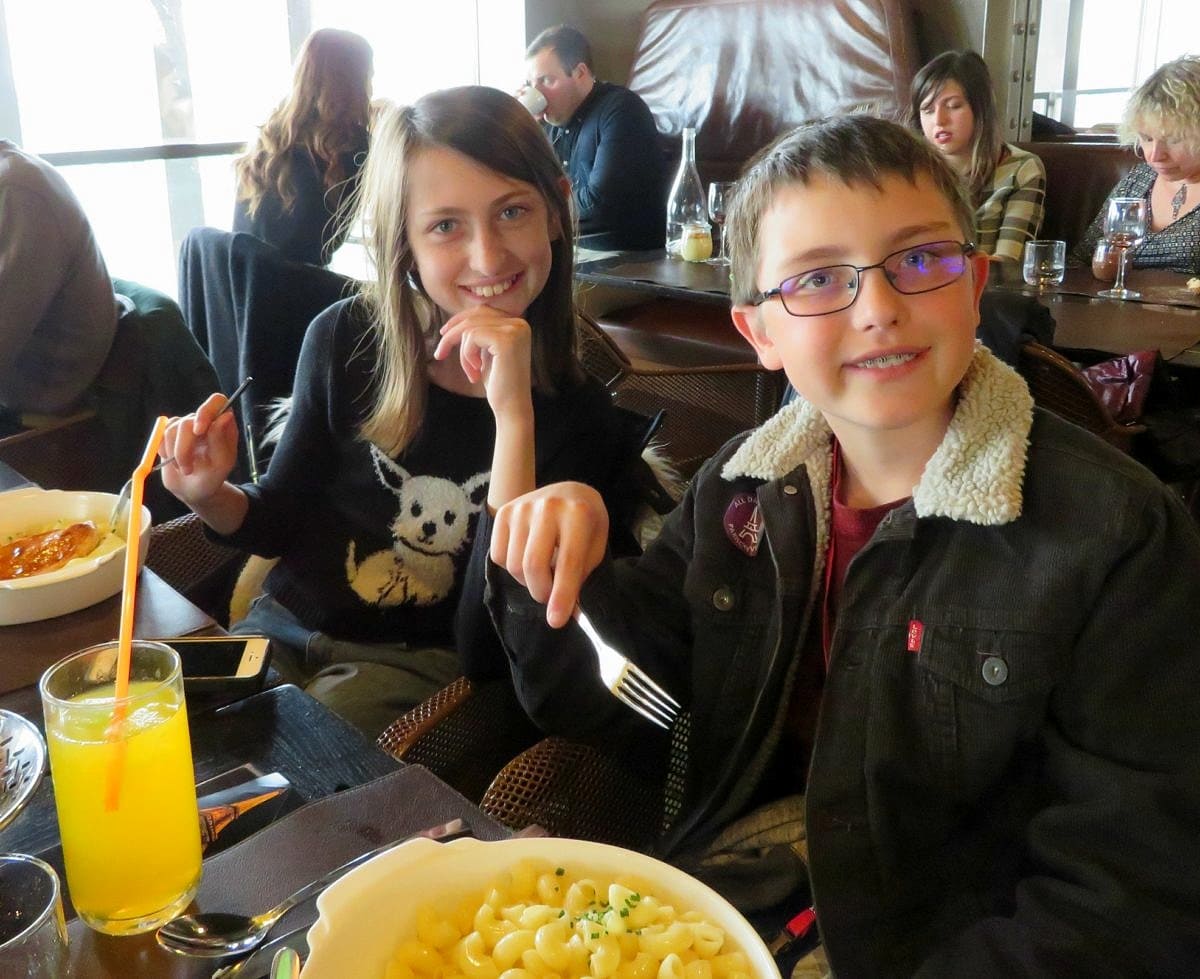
(916, 632)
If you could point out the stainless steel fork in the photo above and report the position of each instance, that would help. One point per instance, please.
(629, 683)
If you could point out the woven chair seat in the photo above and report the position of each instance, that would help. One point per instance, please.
(464, 734)
(571, 789)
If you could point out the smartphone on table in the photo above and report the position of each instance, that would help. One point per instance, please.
(222, 664)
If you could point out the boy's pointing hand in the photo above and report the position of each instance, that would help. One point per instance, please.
(550, 540)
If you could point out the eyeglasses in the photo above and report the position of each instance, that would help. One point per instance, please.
(921, 268)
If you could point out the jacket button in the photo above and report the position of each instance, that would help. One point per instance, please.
(722, 599)
(995, 671)
(790, 490)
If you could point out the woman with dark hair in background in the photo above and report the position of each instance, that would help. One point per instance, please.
(953, 105)
(292, 182)
(1162, 123)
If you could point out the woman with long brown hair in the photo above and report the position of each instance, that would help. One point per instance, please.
(953, 105)
(292, 182)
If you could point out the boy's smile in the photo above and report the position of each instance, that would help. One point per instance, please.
(889, 362)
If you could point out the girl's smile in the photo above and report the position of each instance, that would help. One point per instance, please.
(491, 290)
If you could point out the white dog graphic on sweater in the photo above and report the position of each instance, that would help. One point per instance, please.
(429, 529)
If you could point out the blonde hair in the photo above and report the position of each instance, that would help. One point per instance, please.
(327, 114)
(493, 129)
(1170, 99)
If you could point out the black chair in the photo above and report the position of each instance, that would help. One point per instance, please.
(248, 306)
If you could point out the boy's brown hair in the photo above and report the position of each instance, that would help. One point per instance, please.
(856, 149)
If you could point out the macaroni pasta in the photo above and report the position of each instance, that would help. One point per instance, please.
(539, 922)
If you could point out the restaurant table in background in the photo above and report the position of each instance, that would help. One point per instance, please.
(1166, 318)
(652, 273)
(279, 730)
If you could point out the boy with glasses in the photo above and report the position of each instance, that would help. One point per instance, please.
(938, 644)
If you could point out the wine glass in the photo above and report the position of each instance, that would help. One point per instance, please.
(1124, 228)
(718, 196)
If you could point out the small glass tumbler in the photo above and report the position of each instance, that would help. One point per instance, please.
(124, 786)
(1105, 259)
(1045, 263)
(33, 933)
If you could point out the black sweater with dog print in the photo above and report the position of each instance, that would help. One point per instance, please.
(374, 548)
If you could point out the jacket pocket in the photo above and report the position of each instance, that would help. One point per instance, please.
(986, 693)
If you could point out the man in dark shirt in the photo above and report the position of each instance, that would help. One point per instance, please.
(607, 141)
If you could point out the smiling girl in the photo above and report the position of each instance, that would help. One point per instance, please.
(449, 384)
(953, 105)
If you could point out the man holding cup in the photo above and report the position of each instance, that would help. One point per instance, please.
(606, 139)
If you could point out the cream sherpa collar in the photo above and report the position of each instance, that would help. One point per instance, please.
(976, 473)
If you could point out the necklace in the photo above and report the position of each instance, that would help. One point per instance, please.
(1178, 200)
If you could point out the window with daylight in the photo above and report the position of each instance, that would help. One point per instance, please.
(143, 104)
(1093, 53)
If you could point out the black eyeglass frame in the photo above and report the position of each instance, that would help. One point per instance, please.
(968, 249)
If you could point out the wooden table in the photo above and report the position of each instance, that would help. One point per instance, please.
(1166, 318)
(652, 273)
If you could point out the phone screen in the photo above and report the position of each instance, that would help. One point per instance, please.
(212, 657)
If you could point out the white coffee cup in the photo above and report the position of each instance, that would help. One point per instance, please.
(533, 100)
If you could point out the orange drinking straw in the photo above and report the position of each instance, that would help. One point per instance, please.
(128, 600)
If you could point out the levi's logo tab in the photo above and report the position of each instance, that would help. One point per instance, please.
(916, 632)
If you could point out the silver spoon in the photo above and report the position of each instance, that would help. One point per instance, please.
(123, 496)
(214, 934)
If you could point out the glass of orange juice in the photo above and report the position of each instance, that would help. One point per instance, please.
(124, 786)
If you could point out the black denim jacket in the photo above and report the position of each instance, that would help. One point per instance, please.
(1004, 779)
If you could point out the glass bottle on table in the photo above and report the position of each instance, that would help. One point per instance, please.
(687, 208)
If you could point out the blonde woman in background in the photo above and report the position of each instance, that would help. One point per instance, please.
(292, 182)
(953, 105)
(1162, 123)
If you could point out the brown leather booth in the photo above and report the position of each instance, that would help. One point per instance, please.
(741, 72)
(1079, 176)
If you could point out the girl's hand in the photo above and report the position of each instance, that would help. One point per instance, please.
(494, 348)
(204, 449)
(550, 540)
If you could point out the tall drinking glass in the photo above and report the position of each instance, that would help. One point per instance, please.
(718, 196)
(1124, 228)
(124, 786)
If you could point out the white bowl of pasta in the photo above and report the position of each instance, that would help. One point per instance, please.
(58, 553)
(523, 908)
